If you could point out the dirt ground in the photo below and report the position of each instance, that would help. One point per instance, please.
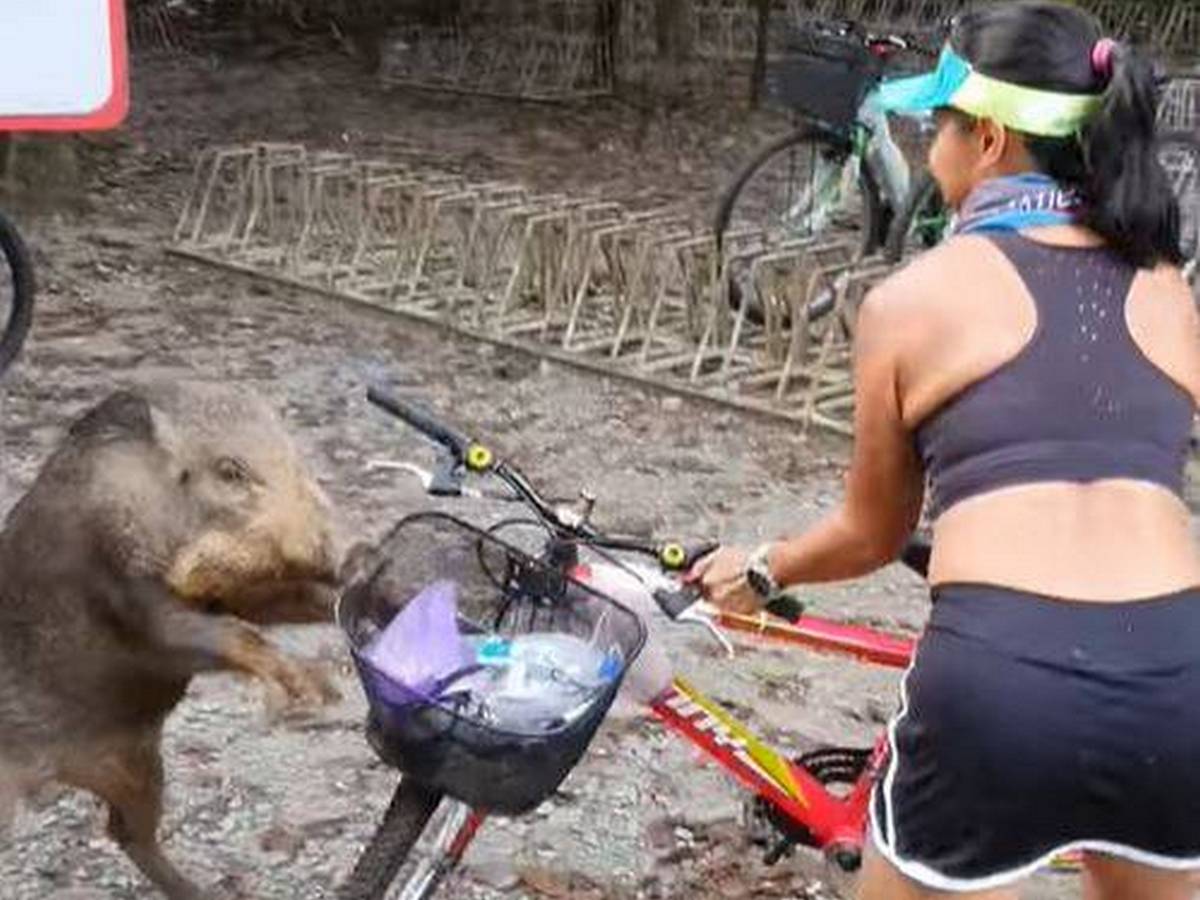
(280, 811)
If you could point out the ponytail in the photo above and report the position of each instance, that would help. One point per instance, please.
(1130, 201)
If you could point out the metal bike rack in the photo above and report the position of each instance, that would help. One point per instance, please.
(639, 294)
(546, 51)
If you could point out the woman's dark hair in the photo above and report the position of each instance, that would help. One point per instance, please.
(1113, 161)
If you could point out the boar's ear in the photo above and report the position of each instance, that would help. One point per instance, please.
(122, 415)
(165, 435)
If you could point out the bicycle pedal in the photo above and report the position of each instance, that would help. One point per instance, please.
(782, 848)
(756, 823)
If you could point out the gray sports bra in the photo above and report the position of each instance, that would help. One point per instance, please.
(1079, 402)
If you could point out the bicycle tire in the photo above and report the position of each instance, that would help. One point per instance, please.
(808, 133)
(20, 316)
(921, 196)
(409, 812)
(873, 213)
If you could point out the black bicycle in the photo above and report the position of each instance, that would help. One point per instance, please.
(839, 171)
(825, 173)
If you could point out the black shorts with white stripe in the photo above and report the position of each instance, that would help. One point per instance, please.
(1031, 725)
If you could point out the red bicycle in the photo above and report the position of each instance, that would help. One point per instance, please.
(818, 800)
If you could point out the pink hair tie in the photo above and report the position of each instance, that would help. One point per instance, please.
(1102, 57)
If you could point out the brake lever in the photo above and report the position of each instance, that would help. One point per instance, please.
(687, 605)
(433, 482)
(394, 465)
(447, 479)
(693, 615)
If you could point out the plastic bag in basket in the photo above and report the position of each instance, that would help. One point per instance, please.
(422, 648)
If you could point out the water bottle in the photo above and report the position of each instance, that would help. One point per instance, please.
(534, 683)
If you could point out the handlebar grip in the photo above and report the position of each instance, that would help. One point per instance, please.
(676, 557)
(421, 420)
(786, 607)
(916, 554)
(675, 603)
(693, 553)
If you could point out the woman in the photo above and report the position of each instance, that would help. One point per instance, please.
(1041, 369)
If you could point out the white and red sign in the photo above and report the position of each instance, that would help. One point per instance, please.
(64, 65)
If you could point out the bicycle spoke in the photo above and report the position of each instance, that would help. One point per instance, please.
(802, 191)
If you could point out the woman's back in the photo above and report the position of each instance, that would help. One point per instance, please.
(1072, 489)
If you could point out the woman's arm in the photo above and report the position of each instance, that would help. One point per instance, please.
(884, 485)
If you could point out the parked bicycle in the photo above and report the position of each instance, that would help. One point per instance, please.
(458, 768)
(1179, 151)
(840, 167)
(840, 170)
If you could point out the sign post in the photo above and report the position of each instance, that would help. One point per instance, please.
(64, 65)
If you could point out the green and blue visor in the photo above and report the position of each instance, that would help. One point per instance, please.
(956, 84)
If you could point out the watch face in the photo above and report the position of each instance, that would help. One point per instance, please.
(760, 583)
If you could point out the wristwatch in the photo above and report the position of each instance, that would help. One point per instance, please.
(758, 574)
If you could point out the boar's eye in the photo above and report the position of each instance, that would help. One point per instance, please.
(232, 471)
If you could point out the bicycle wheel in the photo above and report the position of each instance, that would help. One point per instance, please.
(16, 293)
(407, 818)
(922, 221)
(1179, 153)
(796, 186)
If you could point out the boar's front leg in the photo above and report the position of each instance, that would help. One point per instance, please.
(192, 641)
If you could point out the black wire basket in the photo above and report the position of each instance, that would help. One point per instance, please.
(445, 737)
(823, 76)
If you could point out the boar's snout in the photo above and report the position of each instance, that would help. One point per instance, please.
(308, 546)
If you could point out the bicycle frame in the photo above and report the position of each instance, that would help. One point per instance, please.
(863, 644)
(820, 818)
(827, 820)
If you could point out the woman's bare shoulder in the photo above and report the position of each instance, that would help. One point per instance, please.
(944, 282)
(1163, 320)
(932, 271)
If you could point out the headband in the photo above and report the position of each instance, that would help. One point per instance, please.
(957, 84)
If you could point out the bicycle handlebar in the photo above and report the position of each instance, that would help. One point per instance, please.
(671, 557)
(421, 420)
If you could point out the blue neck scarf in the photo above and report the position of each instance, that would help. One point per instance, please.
(1014, 202)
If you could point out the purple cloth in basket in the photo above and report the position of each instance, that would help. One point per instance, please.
(422, 646)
